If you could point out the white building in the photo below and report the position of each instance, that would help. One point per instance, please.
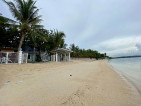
(61, 54)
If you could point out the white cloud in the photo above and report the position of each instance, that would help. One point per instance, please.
(138, 45)
(112, 26)
(121, 46)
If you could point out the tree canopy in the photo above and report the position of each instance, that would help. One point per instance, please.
(26, 15)
(77, 52)
(27, 32)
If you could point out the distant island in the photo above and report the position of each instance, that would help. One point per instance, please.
(126, 56)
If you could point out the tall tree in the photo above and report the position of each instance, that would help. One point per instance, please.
(26, 14)
(63, 44)
(39, 40)
(58, 39)
(9, 34)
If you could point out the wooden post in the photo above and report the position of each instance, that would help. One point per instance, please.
(20, 57)
(6, 59)
(65, 57)
(56, 57)
(26, 58)
(53, 57)
(69, 57)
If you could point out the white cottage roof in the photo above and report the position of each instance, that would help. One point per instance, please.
(61, 50)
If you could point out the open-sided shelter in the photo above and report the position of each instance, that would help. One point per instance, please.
(61, 54)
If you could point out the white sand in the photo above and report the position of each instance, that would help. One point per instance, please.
(93, 83)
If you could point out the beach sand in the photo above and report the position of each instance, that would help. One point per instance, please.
(76, 83)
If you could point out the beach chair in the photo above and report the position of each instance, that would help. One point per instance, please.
(3, 60)
(9, 60)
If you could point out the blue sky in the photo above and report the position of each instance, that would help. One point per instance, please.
(111, 26)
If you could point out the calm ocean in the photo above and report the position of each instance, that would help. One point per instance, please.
(130, 68)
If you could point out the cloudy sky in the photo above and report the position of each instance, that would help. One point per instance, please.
(111, 26)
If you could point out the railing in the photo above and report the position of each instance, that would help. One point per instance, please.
(9, 57)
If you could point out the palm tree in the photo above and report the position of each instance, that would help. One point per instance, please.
(39, 38)
(75, 50)
(26, 14)
(63, 44)
(72, 47)
(58, 39)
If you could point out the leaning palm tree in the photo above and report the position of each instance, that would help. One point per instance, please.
(26, 14)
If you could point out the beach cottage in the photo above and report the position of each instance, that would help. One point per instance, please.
(60, 55)
(33, 54)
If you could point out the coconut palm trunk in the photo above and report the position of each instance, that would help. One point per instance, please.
(21, 41)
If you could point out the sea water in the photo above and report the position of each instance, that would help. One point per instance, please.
(130, 68)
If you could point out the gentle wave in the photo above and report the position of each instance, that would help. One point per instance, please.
(130, 68)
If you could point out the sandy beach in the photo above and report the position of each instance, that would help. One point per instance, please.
(76, 83)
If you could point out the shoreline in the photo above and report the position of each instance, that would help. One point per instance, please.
(77, 83)
(129, 81)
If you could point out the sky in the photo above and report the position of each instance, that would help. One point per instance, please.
(111, 26)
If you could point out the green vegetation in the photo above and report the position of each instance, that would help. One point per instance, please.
(26, 15)
(26, 32)
(9, 33)
(86, 53)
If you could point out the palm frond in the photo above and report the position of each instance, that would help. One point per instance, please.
(14, 10)
(33, 14)
(35, 20)
(26, 13)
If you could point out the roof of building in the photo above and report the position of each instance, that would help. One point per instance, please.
(61, 50)
(6, 50)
